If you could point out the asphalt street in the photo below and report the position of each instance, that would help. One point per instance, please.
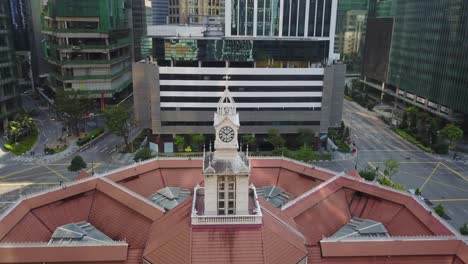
(441, 179)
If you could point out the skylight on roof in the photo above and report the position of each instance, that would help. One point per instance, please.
(358, 227)
(170, 197)
(82, 232)
(274, 195)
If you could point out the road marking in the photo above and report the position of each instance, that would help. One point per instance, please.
(54, 171)
(32, 175)
(421, 162)
(456, 173)
(449, 200)
(430, 176)
(95, 166)
(28, 183)
(17, 172)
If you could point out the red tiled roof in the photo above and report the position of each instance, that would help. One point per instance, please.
(324, 218)
(261, 176)
(71, 210)
(167, 232)
(29, 229)
(406, 224)
(118, 221)
(82, 175)
(145, 184)
(227, 245)
(296, 183)
(182, 177)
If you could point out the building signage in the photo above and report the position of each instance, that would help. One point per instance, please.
(411, 96)
(432, 104)
(444, 109)
(401, 92)
(168, 147)
(421, 100)
(153, 147)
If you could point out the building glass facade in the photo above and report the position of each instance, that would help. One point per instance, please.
(428, 51)
(10, 101)
(88, 45)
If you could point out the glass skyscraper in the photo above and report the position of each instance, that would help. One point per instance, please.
(429, 46)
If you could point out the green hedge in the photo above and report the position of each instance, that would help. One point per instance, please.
(91, 135)
(23, 145)
(411, 139)
(387, 182)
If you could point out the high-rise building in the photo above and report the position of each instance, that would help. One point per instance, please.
(160, 10)
(88, 46)
(416, 51)
(350, 28)
(138, 27)
(10, 100)
(280, 71)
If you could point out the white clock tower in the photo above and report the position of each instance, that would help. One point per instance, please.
(226, 172)
(226, 123)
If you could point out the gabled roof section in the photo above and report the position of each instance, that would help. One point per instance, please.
(169, 197)
(78, 233)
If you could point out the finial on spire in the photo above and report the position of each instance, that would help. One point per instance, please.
(210, 145)
(203, 150)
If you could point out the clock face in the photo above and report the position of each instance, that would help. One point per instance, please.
(226, 134)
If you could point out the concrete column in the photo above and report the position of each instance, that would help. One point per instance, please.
(382, 94)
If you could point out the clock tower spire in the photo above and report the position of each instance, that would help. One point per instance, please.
(226, 172)
(226, 123)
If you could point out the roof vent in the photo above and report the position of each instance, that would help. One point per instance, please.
(358, 227)
(274, 195)
(170, 197)
(82, 232)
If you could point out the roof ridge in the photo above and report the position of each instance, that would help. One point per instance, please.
(132, 193)
(311, 191)
(297, 232)
(413, 198)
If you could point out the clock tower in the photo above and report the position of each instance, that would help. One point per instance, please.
(226, 172)
(226, 123)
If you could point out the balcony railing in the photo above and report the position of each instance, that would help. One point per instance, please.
(253, 219)
(118, 44)
(82, 62)
(89, 77)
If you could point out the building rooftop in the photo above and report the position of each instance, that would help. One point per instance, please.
(74, 233)
(324, 208)
(169, 197)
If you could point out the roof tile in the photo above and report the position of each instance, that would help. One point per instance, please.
(29, 229)
(227, 245)
(407, 224)
(145, 184)
(296, 183)
(71, 210)
(118, 221)
(264, 176)
(324, 218)
(185, 178)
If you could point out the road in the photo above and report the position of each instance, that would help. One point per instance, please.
(441, 179)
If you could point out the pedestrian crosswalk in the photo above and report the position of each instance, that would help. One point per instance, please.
(24, 158)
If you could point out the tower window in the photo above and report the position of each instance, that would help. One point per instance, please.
(226, 196)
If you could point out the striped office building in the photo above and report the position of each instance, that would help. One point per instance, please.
(182, 99)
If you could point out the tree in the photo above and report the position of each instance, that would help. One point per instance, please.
(77, 163)
(391, 167)
(196, 140)
(440, 210)
(306, 137)
(464, 229)
(179, 141)
(72, 107)
(346, 134)
(249, 139)
(368, 174)
(305, 154)
(433, 130)
(21, 127)
(275, 138)
(118, 121)
(404, 121)
(143, 154)
(452, 134)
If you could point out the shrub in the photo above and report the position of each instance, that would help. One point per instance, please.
(441, 148)
(411, 139)
(90, 136)
(179, 141)
(368, 175)
(440, 210)
(143, 154)
(24, 145)
(387, 182)
(283, 151)
(417, 191)
(305, 154)
(464, 229)
(77, 163)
